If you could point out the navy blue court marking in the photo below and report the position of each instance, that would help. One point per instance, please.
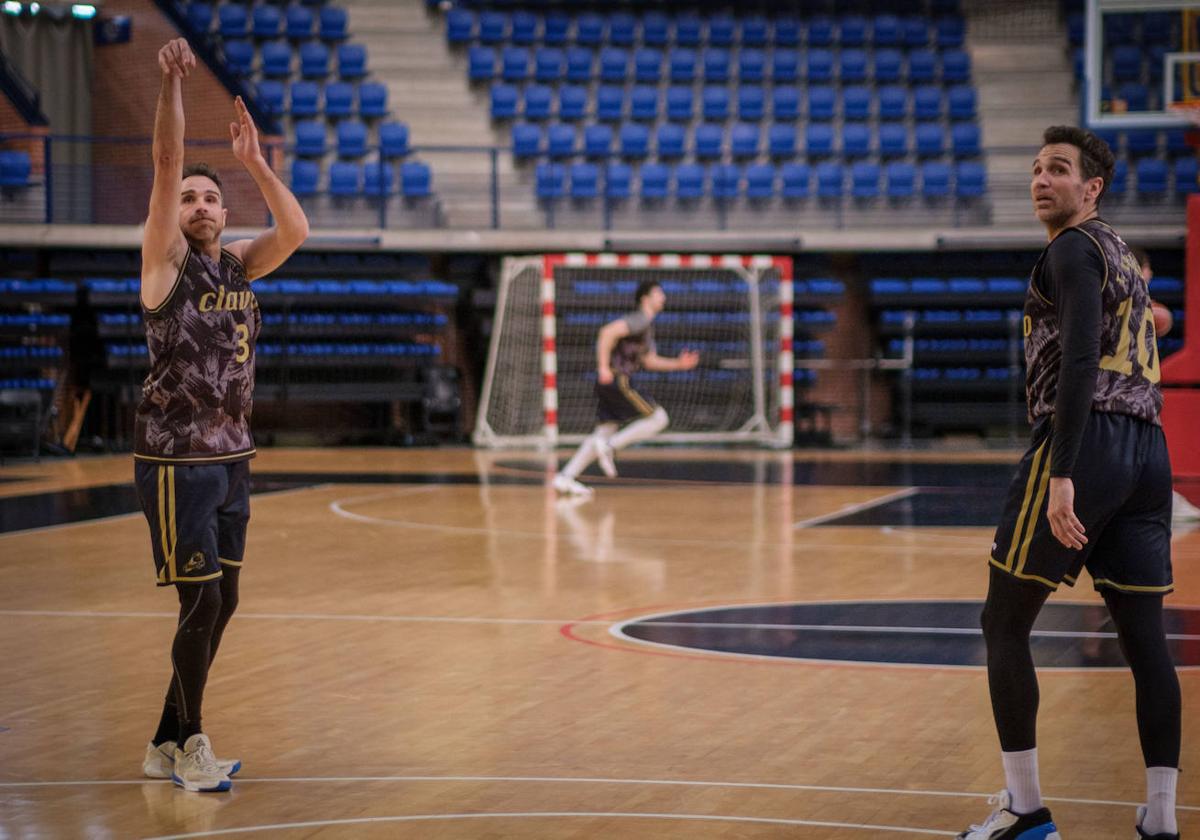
(942, 633)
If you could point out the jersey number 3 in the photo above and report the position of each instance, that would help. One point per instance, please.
(243, 342)
(1120, 362)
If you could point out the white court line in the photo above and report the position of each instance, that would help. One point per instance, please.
(855, 508)
(553, 814)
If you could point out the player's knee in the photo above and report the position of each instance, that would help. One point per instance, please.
(660, 418)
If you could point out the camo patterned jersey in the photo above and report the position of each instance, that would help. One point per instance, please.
(197, 400)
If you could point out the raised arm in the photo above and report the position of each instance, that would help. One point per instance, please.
(269, 249)
(163, 245)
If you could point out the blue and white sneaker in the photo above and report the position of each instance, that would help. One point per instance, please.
(160, 761)
(1004, 824)
(1141, 832)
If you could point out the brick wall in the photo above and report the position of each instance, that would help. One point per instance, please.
(11, 122)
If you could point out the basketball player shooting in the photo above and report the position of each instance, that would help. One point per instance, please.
(624, 417)
(192, 440)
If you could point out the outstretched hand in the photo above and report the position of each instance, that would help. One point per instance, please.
(176, 58)
(688, 359)
(244, 135)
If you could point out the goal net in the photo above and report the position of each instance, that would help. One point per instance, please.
(735, 310)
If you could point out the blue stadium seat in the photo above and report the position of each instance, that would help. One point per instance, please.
(1135, 95)
(715, 103)
(716, 65)
(760, 180)
(820, 31)
(708, 141)
(614, 65)
(305, 99)
(589, 30)
(820, 65)
(818, 139)
(931, 140)
(794, 179)
(239, 56)
(232, 21)
(970, 180)
(1127, 63)
(268, 21)
(333, 22)
(493, 27)
(689, 181)
(1151, 176)
(726, 181)
(679, 103)
(935, 179)
(927, 103)
(310, 138)
(1141, 142)
(785, 104)
(744, 139)
(887, 31)
(964, 139)
(557, 29)
(900, 179)
(550, 64)
(643, 103)
(345, 178)
(856, 140)
(416, 179)
(572, 102)
(610, 102)
(550, 180)
(1120, 178)
(199, 16)
(585, 181)
(618, 181)
(526, 140)
(721, 28)
(787, 32)
(852, 31)
(1177, 143)
(352, 61)
(305, 174)
(481, 63)
(1110, 136)
(597, 140)
(962, 102)
(756, 31)
(270, 96)
(351, 139)
(916, 31)
(538, 100)
(503, 101)
(893, 140)
(524, 28)
(1186, 173)
(831, 180)
(560, 140)
(956, 67)
(856, 103)
(887, 66)
(752, 65)
(579, 64)
(460, 25)
(622, 29)
(821, 101)
(682, 66)
(393, 139)
(854, 66)
(670, 143)
(314, 60)
(864, 180)
(634, 141)
(276, 60)
(514, 64)
(379, 178)
(339, 99)
(1156, 28)
(950, 32)
(751, 103)
(781, 140)
(654, 180)
(922, 66)
(656, 29)
(893, 103)
(689, 30)
(785, 66)
(647, 66)
(299, 22)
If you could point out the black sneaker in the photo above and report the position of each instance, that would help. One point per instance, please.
(1004, 824)
(1142, 835)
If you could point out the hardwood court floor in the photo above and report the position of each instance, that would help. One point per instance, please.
(424, 649)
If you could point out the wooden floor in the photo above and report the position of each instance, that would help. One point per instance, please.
(432, 658)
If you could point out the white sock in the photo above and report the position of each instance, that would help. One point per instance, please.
(1160, 800)
(640, 430)
(584, 455)
(1021, 779)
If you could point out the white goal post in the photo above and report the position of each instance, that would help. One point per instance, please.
(735, 309)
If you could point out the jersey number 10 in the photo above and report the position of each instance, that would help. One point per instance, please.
(1119, 361)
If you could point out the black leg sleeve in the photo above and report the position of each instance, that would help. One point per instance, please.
(1008, 615)
(229, 603)
(199, 605)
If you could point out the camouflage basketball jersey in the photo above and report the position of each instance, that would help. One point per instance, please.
(1128, 379)
(627, 355)
(196, 402)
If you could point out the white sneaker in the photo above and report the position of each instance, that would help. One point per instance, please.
(1141, 832)
(604, 457)
(568, 486)
(196, 768)
(160, 760)
(1004, 824)
(1182, 510)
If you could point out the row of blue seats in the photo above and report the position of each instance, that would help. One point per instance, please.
(550, 64)
(35, 319)
(950, 345)
(53, 352)
(277, 59)
(1130, 29)
(336, 100)
(678, 103)
(314, 319)
(268, 21)
(1153, 175)
(949, 316)
(24, 383)
(702, 375)
(1134, 95)
(36, 286)
(299, 350)
(951, 285)
(1152, 66)
(708, 141)
(656, 29)
(758, 181)
(289, 286)
(811, 286)
(352, 139)
(807, 316)
(347, 178)
(964, 374)
(1142, 142)
(15, 169)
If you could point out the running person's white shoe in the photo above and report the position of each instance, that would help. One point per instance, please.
(196, 768)
(568, 486)
(160, 760)
(1182, 510)
(1004, 824)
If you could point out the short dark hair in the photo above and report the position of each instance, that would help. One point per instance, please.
(1141, 256)
(208, 172)
(644, 288)
(1095, 157)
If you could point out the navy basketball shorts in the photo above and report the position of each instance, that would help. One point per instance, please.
(198, 516)
(1122, 481)
(618, 402)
